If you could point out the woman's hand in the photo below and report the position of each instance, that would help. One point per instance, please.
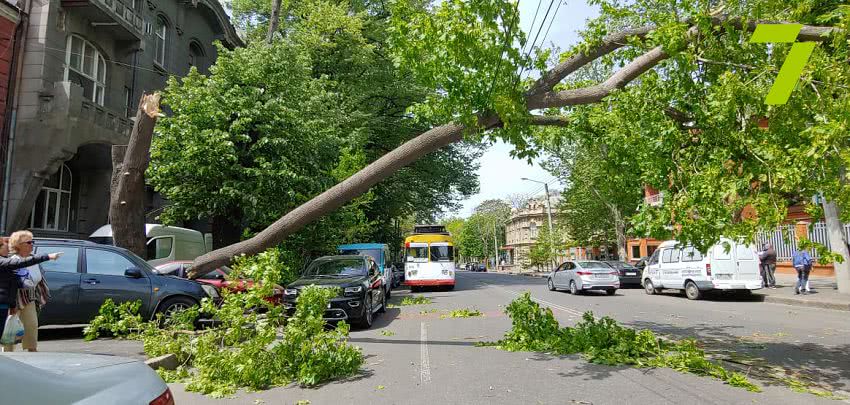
(55, 256)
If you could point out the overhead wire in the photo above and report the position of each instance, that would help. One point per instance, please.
(504, 48)
(536, 36)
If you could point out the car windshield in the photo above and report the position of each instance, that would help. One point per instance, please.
(416, 253)
(373, 253)
(594, 265)
(336, 268)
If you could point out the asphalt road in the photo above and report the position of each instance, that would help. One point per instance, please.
(426, 359)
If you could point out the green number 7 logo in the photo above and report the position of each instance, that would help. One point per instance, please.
(796, 60)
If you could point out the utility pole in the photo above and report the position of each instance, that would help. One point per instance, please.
(495, 246)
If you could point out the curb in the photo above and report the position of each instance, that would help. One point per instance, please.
(168, 362)
(840, 306)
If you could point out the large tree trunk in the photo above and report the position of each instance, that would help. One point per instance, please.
(620, 232)
(838, 244)
(274, 21)
(127, 202)
(335, 197)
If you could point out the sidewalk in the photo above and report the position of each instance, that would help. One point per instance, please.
(824, 293)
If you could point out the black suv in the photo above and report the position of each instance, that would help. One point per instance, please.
(88, 273)
(361, 293)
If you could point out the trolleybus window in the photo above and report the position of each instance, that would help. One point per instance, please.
(442, 253)
(417, 253)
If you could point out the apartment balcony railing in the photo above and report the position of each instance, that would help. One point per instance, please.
(654, 200)
(113, 16)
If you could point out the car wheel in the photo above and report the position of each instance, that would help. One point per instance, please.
(649, 287)
(692, 291)
(610, 292)
(551, 285)
(383, 304)
(175, 304)
(366, 321)
(574, 288)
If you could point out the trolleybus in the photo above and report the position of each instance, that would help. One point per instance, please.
(429, 258)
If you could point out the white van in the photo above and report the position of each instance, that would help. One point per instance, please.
(164, 243)
(727, 266)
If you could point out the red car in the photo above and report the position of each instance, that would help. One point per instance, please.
(216, 278)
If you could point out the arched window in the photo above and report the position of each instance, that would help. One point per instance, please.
(52, 210)
(161, 34)
(196, 56)
(86, 66)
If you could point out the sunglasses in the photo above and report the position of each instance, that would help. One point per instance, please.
(29, 242)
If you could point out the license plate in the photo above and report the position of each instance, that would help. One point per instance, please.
(600, 276)
(631, 274)
(723, 276)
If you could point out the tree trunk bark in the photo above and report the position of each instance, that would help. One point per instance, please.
(127, 203)
(118, 153)
(274, 21)
(838, 244)
(620, 232)
(337, 195)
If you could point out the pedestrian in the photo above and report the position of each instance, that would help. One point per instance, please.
(768, 265)
(31, 297)
(802, 262)
(9, 278)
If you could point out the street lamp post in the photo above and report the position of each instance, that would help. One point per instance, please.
(548, 205)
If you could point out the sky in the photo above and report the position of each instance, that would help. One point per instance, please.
(499, 175)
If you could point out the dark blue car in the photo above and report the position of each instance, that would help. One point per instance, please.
(89, 273)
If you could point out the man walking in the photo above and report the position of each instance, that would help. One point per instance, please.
(768, 265)
(802, 262)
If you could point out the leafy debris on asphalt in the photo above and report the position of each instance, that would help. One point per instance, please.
(462, 313)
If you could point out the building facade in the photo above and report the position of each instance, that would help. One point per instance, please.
(523, 229)
(84, 66)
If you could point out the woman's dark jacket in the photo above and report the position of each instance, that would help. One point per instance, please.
(9, 279)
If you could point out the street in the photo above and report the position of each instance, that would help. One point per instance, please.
(413, 355)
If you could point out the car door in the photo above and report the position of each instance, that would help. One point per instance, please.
(671, 272)
(376, 283)
(746, 265)
(653, 270)
(104, 278)
(63, 279)
(566, 274)
(556, 274)
(721, 260)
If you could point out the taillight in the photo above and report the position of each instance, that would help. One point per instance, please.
(708, 269)
(164, 399)
(614, 273)
(583, 273)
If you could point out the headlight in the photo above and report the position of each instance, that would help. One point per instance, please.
(290, 291)
(353, 290)
(210, 290)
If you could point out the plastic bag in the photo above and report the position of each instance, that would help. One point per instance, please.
(13, 332)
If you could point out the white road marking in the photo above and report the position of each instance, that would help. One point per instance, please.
(539, 301)
(424, 362)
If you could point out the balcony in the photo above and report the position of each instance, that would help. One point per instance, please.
(654, 200)
(67, 111)
(111, 16)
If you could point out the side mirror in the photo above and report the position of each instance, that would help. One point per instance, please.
(219, 276)
(133, 273)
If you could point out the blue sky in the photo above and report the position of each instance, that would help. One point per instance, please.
(500, 175)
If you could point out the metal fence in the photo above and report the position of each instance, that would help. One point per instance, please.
(784, 239)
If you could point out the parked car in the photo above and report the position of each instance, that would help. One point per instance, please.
(380, 253)
(360, 283)
(216, 278)
(164, 243)
(726, 266)
(629, 275)
(81, 379)
(482, 267)
(88, 273)
(580, 276)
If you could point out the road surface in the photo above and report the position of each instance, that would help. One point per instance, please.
(421, 358)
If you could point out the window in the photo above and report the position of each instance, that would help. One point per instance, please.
(106, 263)
(86, 66)
(650, 250)
(442, 253)
(128, 102)
(161, 34)
(654, 258)
(53, 205)
(570, 266)
(417, 253)
(533, 230)
(66, 264)
(674, 256)
(635, 252)
(196, 56)
(666, 255)
(158, 248)
(722, 251)
(691, 254)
